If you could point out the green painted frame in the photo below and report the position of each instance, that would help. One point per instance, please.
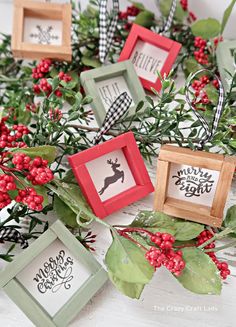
(225, 61)
(27, 303)
(125, 68)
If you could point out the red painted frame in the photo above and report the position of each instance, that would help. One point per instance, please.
(141, 33)
(143, 187)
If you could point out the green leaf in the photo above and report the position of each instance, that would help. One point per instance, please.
(127, 262)
(47, 152)
(230, 219)
(226, 15)
(91, 62)
(145, 18)
(64, 213)
(200, 274)
(165, 6)
(160, 222)
(232, 143)
(212, 93)
(192, 65)
(132, 290)
(138, 5)
(206, 28)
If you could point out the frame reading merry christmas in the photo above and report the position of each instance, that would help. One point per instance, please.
(125, 70)
(209, 215)
(45, 11)
(11, 284)
(143, 185)
(139, 33)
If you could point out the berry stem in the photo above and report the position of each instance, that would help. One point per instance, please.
(124, 234)
(221, 247)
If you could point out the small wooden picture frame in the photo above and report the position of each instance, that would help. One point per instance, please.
(41, 30)
(149, 53)
(193, 184)
(225, 62)
(106, 83)
(112, 175)
(53, 278)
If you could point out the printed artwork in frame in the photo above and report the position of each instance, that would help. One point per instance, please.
(53, 278)
(226, 56)
(149, 53)
(112, 175)
(193, 184)
(41, 30)
(106, 83)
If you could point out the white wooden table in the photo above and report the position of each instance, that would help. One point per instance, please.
(163, 303)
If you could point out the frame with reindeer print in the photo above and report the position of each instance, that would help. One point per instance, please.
(149, 52)
(112, 175)
(193, 185)
(53, 279)
(41, 30)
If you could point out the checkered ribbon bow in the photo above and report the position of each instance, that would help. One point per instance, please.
(170, 17)
(10, 234)
(107, 27)
(118, 108)
(209, 132)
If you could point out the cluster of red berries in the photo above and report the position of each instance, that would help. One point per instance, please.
(164, 254)
(64, 77)
(217, 40)
(10, 138)
(198, 86)
(201, 54)
(184, 4)
(55, 114)
(37, 169)
(131, 11)
(41, 69)
(30, 198)
(43, 86)
(7, 183)
(222, 266)
(4, 199)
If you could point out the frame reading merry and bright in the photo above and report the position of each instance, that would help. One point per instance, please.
(149, 53)
(193, 184)
(41, 30)
(106, 83)
(53, 279)
(226, 62)
(112, 175)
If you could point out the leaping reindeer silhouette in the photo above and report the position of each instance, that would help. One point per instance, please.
(118, 174)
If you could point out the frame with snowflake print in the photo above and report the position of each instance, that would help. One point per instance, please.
(41, 30)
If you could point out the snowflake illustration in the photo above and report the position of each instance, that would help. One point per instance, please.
(44, 36)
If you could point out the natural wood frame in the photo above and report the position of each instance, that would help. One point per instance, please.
(27, 303)
(143, 186)
(125, 69)
(141, 33)
(225, 62)
(213, 215)
(53, 11)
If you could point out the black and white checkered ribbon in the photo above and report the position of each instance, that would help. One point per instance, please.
(10, 234)
(118, 108)
(170, 18)
(209, 132)
(107, 27)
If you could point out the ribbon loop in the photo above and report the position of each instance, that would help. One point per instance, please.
(118, 108)
(10, 234)
(219, 108)
(106, 29)
(170, 18)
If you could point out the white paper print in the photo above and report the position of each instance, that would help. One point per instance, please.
(192, 184)
(111, 88)
(111, 174)
(147, 60)
(53, 277)
(42, 31)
